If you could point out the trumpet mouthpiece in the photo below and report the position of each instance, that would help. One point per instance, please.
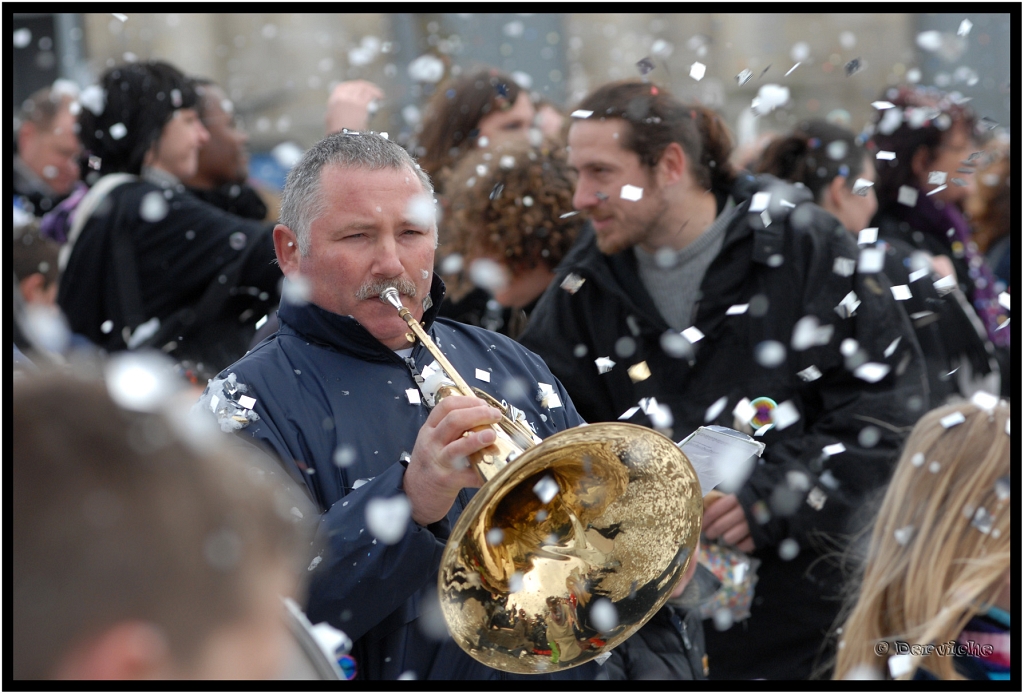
(390, 296)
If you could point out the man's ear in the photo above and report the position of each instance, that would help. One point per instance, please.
(835, 194)
(286, 245)
(672, 165)
(132, 650)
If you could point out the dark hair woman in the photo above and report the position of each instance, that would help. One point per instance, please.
(146, 264)
(924, 148)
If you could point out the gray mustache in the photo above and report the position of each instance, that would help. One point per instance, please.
(373, 288)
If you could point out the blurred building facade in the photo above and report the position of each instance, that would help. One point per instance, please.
(279, 67)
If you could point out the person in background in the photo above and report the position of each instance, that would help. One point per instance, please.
(678, 294)
(548, 118)
(146, 263)
(222, 174)
(833, 164)
(474, 110)
(989, 208)
(46, 165)
(138, 554)
(510, 221)
(925, 159)
(937, 567)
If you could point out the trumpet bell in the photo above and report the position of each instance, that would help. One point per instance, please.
(571, 548)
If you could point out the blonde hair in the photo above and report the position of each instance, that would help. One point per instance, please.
(930, 565)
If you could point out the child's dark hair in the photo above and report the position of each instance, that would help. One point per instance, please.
(814, 154)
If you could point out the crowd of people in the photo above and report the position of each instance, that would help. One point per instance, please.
(844, 301)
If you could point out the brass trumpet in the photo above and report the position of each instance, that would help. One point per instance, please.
(571, 545)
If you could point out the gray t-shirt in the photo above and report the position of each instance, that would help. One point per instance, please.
(673, 278)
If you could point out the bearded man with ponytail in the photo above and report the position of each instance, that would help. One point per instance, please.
(694, 291)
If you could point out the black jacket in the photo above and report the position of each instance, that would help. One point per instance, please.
(325, 387)
(177, 256)
(782, 273)
(669, 647)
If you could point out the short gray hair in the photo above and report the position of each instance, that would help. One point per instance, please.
(302, 202)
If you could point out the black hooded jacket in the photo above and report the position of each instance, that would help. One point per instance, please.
(762, 283)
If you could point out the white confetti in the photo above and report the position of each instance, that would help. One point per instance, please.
(760, 201)
(872, 372)
(572, 283)
(604, 615)
(871, 260)
(770, 353)
(118, 130)
(629, 413)
(769, 97)
(716, 409)
(632, 193)
(693, 334)
(882, 105)
(816, 498)
(121, 17)
(790, 71)
(984, 401)
(944, 285)
(867, 236)
(903, 535)
(965, 28)
(483, 375)
(580, 113)
(1004, 300)
(900, 292)
(344, 455)
(936, 177)
(744, 411)
(934, 467)
(907, 196)
(861, 186)
(917, 460)
(892, 347)
(918, 274)
(785, 414)
(744, 76)
(697, 71)
(844, 267)
(413, 396)
(834, 449)
(495, 536)
(604, 364)
(287, 154)
(811, 373)
(22, 37)
(952, 419)
(488, 275)
(547, 396)
(546, 489)
(983, 520)
(153, 207)
(901, 664)
(141, 381)
(737, 309)
(885, 156)
(788, 549)
(937, 190)
(929, 41)
(426, 68)
(387, 519)
(246, 401)
(422, 211)
(848, 306)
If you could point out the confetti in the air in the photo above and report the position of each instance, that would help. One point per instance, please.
(848, 306)
(872, 372)
(716, 409)
(387, 519)
(604, 364)
(984, 401)
(547, 396)
(572, 283)
(907, 196)
(952, 419)
(834, 449)
(867, 236)
(426, 68)
(697, 71)
(811, 373)
(885, 156)
(785, 415)
(639, 372)
(892, 347)
(844, 267)
(882, 105)
(744, 77)
(853, 67)
(546, 489)
(937, 190)
(693, 334)
(645, 65)
(965, 28)
(871, 260)
(737, 309)
(861, 186)
(632, 193)
(900, 292)
(904, 535)
(581, 113)
(983, 520)
(483, 375)
(760, 201)
(936, 177)
(790, 71)
(153, 207)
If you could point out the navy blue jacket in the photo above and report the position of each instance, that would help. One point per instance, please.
(333, 405)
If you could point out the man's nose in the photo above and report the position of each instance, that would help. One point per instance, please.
(387, 262)
(585, 197)
(202, 134)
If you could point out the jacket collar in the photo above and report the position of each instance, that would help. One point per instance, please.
(344, 333)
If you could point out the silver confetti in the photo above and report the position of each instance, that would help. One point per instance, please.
(907, 196)
(572, 283)
(811, 373)
(844, 267)
(744, 77)
(848, 306)
(904, 535)
(892, 347)
(983, 520)
(604, 364)
(716, 409)
(934, 467)
(546, 489)
(861, 186)
(952, 419)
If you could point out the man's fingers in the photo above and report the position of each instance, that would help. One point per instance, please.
(746, 545)
(726, 522)
(736, 534)
(455, 423)
(719, 508)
